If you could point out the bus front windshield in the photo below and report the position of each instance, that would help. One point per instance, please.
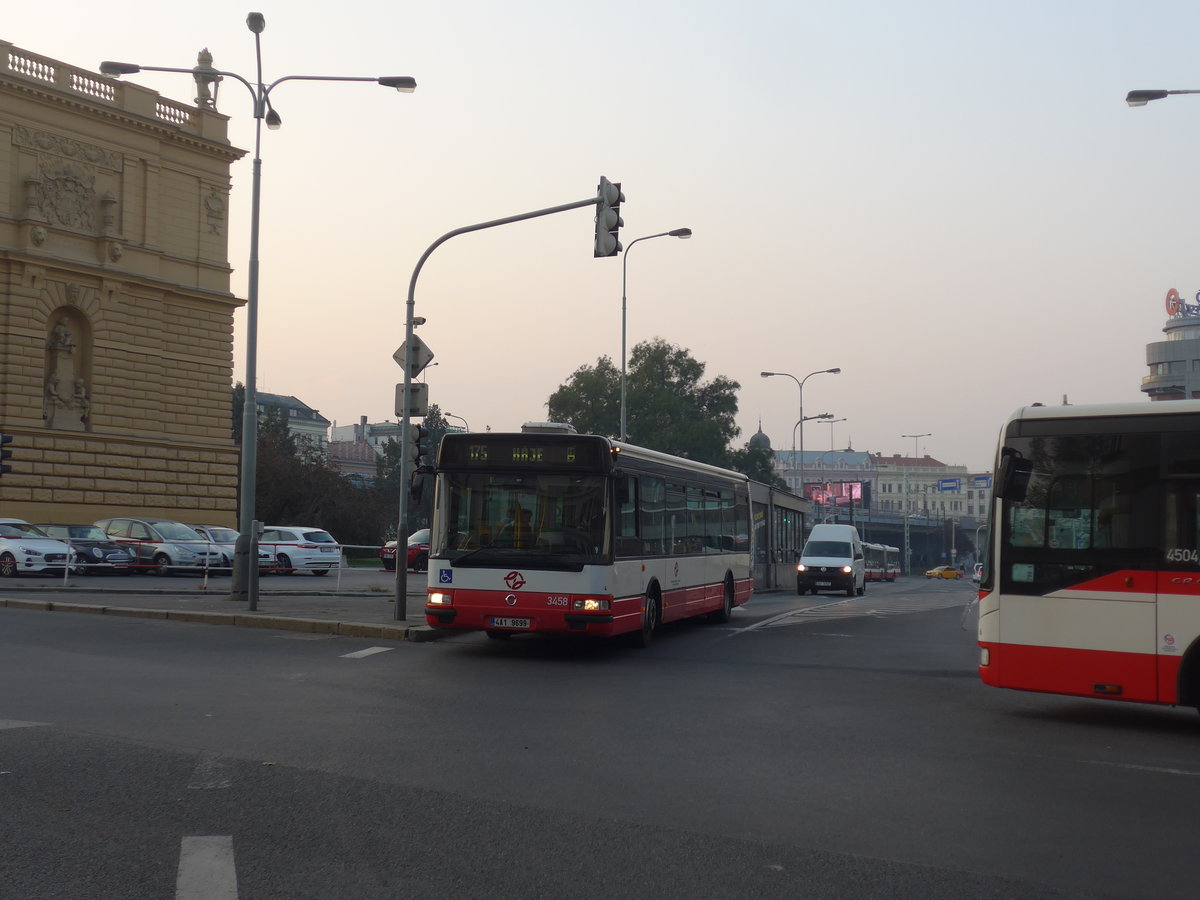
(521, 519)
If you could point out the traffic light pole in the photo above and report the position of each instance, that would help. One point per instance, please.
(405, 529)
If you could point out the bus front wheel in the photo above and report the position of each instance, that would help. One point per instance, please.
(726, 611)
(650, 620)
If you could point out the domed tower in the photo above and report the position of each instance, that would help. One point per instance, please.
(758, 439)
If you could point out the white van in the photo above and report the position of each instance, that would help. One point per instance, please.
(832, 560)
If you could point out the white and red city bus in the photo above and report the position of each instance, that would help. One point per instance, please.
(571, 534)
(1091, 583)
(891, 562)
(874, 562)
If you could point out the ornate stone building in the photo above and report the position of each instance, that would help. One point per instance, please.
(116, 318)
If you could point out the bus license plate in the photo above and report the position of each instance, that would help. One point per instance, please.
(501, 622)
(824, 584)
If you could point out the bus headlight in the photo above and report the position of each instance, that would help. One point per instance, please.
(591, 604)
(438, 598)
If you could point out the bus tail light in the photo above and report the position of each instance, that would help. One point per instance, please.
(591, 604)
(440, 598)
(985, 656)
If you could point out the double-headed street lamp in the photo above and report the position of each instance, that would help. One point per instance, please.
(800, 384)
(245, 575)
(915, 438)
(678, 233)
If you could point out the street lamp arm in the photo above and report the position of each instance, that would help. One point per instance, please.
(1141, 98)
(403, 83)
(119, 68)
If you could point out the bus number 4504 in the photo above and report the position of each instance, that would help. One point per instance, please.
(1179, 554)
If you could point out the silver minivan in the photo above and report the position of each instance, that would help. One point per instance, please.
(162, 546)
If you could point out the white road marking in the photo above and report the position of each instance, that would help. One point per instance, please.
(370, 651)
(211, 773)
(206, 869)
(1133, 767)
(17, 723)
(870, 606)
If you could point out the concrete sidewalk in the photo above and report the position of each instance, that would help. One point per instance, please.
(369, 613)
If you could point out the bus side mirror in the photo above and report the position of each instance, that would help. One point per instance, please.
(1015, 473)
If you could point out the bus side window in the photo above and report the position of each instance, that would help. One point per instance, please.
(628, 541)
(1181, 544)
(653, 497)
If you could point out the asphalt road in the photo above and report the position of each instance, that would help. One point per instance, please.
(812, 747)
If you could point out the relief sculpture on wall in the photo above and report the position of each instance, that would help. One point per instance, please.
(66, 398)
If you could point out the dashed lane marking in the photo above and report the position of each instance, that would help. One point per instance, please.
(17, 723)
(370, 651)
(206, 869)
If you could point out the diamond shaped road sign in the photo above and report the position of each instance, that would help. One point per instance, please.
(417, 356)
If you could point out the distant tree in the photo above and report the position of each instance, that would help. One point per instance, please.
(668, 407)
(590, 401)
(758, 463)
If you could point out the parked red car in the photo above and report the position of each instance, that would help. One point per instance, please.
(418, 552)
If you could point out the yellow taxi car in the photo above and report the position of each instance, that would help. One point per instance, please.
(944, 572)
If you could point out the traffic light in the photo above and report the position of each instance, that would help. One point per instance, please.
(5, 454)
(418, 445)
(608, 218)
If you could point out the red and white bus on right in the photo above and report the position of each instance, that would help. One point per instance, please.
(1091, 580)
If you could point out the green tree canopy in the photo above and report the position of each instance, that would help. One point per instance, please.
(668, 407)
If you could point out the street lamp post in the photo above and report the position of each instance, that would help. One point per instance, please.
(800, 422)
(245, 575)
(460, 418)
(907, 544)
(831, 423)
(678, 233)
(800, 384)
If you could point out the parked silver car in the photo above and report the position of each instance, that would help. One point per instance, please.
(162, 546)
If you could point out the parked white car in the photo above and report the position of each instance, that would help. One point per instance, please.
(301, 547)
(23, 548)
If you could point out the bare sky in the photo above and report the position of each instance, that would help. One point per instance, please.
(949, 200)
